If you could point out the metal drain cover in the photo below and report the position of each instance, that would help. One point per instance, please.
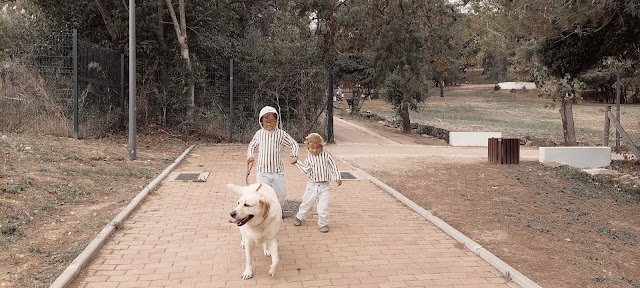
(189, 176)
(347, 176)
(290, 208)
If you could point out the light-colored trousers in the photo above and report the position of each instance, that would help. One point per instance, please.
(277, 182)
(315, 191)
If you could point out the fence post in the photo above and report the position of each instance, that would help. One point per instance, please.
(330, 108)
(607, 126)
(75, 84)
(632, 146)
(231, 100)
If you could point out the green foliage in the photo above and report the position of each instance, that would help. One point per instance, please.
(573, 53)
(555, 88)
(488, 40)
(21, 27)
(286, 41)
(447, 34)
(397, 45)
(495, 65)
(357, 66)
(393, 87)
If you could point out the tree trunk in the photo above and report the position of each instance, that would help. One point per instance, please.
(441, 86)
(181, 33)
(106, 18)
(404, 110)
(569, 131)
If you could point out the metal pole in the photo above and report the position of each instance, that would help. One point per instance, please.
(121, 124)
(618, 107)
(132, 80)
(330, 109)
(231, 100)
(75, 84)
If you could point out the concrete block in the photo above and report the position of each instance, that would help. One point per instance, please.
(472, 138)
(578, 156)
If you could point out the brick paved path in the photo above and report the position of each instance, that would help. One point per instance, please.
(180, 237)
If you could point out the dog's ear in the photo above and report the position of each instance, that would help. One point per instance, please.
(236, 189)
(265, 207)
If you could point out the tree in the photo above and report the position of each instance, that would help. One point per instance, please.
(356, 70)
(562, 35)
(180, 26)
(397, 34)
(488, 39)
(106, 18)
(444, 46)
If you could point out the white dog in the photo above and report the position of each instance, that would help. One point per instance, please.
(258, 215)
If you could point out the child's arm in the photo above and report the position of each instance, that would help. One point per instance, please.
(334, 170)
(304, 167)
(291, 143)
(252, 147)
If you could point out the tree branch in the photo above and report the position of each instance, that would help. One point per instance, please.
(107, 22)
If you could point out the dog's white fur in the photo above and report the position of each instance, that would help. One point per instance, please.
(259, 216)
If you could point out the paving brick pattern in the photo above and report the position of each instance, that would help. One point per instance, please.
(180, 237)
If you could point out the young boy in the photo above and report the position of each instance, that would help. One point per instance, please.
(270, 141)
(321, 169)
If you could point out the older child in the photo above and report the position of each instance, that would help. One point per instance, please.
(321, 169)
(270, 141)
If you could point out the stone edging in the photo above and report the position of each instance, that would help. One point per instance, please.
(418, 128)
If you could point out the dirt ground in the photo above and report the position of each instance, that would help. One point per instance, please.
(559, 227)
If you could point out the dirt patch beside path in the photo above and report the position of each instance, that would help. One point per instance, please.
(558, 226)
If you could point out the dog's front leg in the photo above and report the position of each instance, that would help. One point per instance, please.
(265, 247)
(273, 248)
(248, 251)
(242, 241)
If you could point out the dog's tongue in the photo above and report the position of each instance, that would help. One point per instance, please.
(234, 220)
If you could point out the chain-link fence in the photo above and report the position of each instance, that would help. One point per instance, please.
(229, 95)
(299, 94)
(45, 87)
(73, 88)
(35, 87)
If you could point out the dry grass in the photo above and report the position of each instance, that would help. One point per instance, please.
(516, 115)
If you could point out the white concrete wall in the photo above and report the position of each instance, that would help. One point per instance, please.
(517, 85)
(472, 138)
(579, 157)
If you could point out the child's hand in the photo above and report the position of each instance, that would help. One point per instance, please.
(249, 160)
(339, 182)
(294, 160)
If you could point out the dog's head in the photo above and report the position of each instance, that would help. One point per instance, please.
(250, 204)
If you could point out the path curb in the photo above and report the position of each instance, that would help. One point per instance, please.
(365, 130)
(72, 271)
(476, 248)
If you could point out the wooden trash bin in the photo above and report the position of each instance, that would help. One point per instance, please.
(504, 150)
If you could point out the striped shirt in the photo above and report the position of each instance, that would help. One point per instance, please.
(320, 167)
(270, 145)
